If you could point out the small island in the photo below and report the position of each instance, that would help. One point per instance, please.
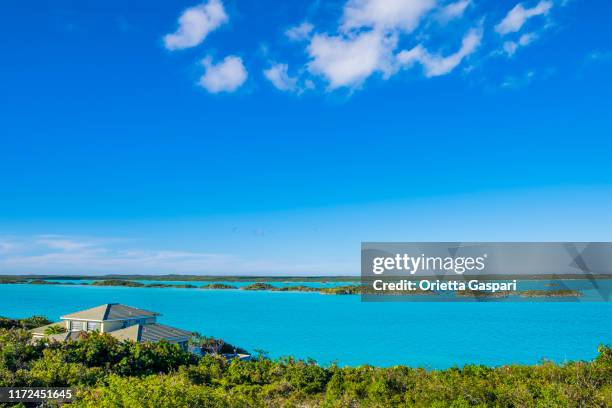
(166, 285)
(218, 286)
(560, 293)
(134, 284)
(481, 294)
(349, 289)
(298, 288)
(258, 286)
(46, 282)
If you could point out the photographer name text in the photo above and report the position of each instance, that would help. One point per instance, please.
(406, 285)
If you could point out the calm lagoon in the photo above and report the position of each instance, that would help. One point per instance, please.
(343, 329)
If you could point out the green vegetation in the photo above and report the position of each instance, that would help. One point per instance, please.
(49, 282)
(112, 373)
(118, 282)
(298, 288)
(354, 289)
(294, 288)
(483, 294)
(55, 329)
(212, 345)
(135, 284)
(343, 290)
(11, 280)
(551, 293)
(525, 293)
(218, 286)
(258, 286)
(340, 290)
(197, 278)
(262, 283)
(166, 285)
(26, 324)
(280, 279)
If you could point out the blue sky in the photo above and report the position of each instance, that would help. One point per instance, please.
(263, 138)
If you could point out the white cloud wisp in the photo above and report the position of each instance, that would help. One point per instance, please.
(195, 24)
(518, 16)
(404, 15)
(225, 76)
(452, 11)
(346, 61)
(278, 75)
(436, 65)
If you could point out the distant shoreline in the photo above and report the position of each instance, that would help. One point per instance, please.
(281, 279)
(194, 278)
(352, 289)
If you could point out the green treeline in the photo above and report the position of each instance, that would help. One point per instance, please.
(113, 373)
(175, 277)
(354, 289)
(339, 290)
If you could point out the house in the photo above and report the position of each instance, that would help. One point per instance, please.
(120, 321)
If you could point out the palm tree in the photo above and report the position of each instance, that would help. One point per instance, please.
(54, 329)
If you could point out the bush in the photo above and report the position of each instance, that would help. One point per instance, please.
(113, 373)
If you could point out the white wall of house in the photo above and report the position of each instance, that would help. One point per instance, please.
(111, 326)
(105, 326)
(85, 325)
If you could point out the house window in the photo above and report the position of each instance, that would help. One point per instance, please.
(93, 326)
(76, 325)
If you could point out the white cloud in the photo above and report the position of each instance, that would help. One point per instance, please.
(226, 76)
(516, 82)
(300, 32)
(7, 246)
(279, 76)
(385, 14)
(64, 244)
(346, 61)
(59, 244)
(367, 38)
(516, 18)
(452, 10)
(106, 260)
(195, 24)
(436, 65)
(111, 256)
(599, 56)
(510, 47)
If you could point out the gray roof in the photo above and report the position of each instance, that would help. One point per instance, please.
(151, 332)
(110, 311)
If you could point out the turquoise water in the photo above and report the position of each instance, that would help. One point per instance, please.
(343, 329)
